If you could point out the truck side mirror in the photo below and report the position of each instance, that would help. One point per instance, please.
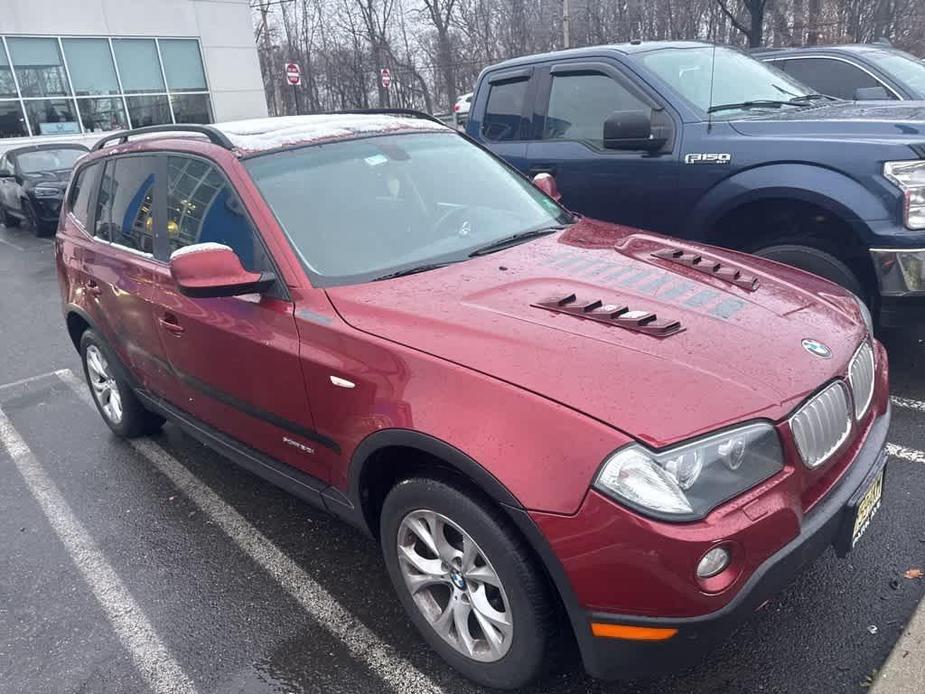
(871, 94)
(631, 130)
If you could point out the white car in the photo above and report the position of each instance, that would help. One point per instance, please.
(461, 109)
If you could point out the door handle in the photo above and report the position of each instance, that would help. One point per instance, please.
(93, 288)
(169, 323)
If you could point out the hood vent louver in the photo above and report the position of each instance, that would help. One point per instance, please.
(714, 268)
(612, 314)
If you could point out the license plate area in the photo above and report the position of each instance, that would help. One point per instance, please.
(862, 508)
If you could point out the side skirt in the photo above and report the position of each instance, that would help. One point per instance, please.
(296, 482)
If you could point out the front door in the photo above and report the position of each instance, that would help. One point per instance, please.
(236, 359)
(635, 188)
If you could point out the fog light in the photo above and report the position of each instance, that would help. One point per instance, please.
(713, 562)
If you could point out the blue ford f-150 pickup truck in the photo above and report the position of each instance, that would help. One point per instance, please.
(708, 144)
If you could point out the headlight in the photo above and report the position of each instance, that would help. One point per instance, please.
(688, 481)
(865, 315)
(43, 192)
(910, 177)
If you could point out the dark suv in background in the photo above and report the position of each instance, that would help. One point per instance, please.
(32, 183)
(854, 71)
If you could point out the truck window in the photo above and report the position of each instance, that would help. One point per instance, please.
(829, 76)
(580, 103)
(504, 114)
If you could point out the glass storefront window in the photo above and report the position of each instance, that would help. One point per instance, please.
(191, 108)
(7, 85)
(12, 122)
(183, 65)
(52, 117)
(71, 85)
(139, 67)
(102, 115)
(89, 63)
(38, 66)
(148, 110)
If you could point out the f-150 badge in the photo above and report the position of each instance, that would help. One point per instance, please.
(700, 158)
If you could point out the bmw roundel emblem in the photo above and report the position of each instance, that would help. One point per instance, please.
(817, 348)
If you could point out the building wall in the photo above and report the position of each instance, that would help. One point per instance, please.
(223, 27)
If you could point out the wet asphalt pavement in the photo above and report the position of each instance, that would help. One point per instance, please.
(190, 573)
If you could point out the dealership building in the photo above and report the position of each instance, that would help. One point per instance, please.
(76, 69)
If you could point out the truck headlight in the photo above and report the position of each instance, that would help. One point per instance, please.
(686, 482)
(909, 176)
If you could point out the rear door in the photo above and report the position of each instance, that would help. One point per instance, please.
(635, 188)
(114, 254)
(235, 359)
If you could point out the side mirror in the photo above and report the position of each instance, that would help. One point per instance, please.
(629, 130)
(205, 270)
(871, 94)
(546, 182)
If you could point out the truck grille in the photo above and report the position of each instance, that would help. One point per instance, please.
(861, 378)
(821, 426)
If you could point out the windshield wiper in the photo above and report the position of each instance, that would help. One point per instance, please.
(812, 97)
(414, 270)
(514, 239)
(757, 103)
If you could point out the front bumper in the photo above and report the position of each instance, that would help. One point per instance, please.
(609, 659)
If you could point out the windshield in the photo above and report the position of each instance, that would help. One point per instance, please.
(361, 209)
(49, 159)
(737, 78)
(903, 68)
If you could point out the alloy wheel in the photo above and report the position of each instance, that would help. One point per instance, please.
(103, 384)
(454, 585)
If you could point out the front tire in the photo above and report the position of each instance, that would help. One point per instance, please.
(114, 398)
(468, 582)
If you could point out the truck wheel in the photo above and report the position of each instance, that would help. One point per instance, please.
(468, 583)
(817, 262)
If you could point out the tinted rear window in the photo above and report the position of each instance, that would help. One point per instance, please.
(82, 191)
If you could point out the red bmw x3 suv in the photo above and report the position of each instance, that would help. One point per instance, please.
(544, 420)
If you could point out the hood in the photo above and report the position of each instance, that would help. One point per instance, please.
(729, 352)
(861, 119)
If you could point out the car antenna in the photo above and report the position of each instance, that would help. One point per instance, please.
(712, 75)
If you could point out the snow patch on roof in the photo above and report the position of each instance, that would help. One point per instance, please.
(271, 133)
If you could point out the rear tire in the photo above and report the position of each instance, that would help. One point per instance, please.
(496, 592)
(113, 396)
(819, 263)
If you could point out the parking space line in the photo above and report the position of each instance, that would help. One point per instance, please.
(28, 379)
(908, 403)
(155, 663)
(400, 675)
(11, 245)
(910, 455)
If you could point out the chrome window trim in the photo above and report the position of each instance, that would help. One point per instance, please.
(770, 59)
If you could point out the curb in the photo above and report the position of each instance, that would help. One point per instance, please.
(904, 670)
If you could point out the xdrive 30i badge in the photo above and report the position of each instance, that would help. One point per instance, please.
(817, 348)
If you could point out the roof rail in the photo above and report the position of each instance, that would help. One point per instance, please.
(216, 136)
(407, 112)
